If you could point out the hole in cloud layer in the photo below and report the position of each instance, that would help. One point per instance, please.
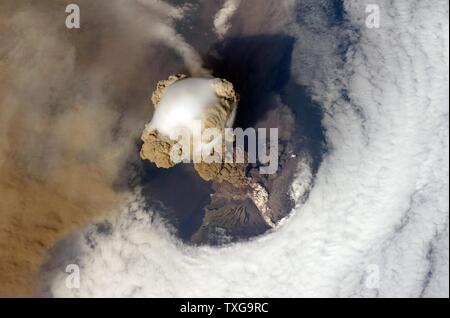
(259, 68)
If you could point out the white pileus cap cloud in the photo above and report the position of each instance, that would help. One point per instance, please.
(183, 103)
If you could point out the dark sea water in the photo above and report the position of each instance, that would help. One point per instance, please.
(178, 194)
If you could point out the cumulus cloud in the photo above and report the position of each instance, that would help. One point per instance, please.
(376, 220)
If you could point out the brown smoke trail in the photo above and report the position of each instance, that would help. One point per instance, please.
(72, 106)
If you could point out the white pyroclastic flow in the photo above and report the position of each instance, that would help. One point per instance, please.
(376, 220)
